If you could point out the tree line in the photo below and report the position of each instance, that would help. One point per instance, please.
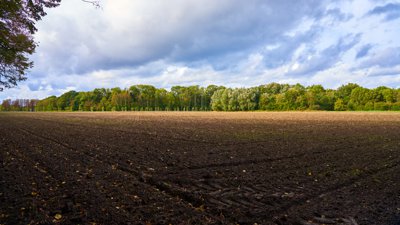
(270, 97)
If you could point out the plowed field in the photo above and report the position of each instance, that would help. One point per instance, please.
(200, 168)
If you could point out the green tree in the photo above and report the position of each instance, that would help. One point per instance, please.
(216, 100)
(381, 106)
(208, 93)
(273, 88)
(171, 101)
(359, 97)
(161, 99)
(225, 99)
(104, 104)
(134, 91)
(267, 102)
(147, 96)
(314, 96)
(292, 98)
(344, 92)
(339, 105)
(64, 101)
(233, 102)
(47, 104)
(121, 100)
(388, 95)
(280, 102)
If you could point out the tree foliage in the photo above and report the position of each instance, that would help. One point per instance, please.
(17, 26)
(272, 97)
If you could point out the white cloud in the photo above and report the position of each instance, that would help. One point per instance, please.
(388, 57)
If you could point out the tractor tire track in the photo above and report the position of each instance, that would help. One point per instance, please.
(144, 178)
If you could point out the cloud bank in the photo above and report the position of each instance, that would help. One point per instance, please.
(227, 42)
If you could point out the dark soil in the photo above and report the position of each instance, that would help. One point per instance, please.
(200, 168)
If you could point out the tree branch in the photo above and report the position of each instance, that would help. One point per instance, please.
(95, 3)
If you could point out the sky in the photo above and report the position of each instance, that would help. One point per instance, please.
(234, 43)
